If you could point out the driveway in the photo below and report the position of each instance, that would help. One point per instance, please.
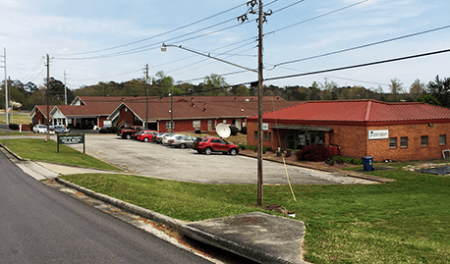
(157, 161)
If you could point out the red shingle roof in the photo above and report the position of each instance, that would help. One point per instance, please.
(359, 111)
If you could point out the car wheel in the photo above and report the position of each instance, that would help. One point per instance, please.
(233, 152)
(183, 146)
(128, 136)
(208, 151)
(146, 139)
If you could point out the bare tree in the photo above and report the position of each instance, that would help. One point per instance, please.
(396, 87)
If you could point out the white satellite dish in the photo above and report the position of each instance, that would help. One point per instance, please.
(223, 130)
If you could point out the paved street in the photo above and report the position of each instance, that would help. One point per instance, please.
(42, 225)
(163, 162)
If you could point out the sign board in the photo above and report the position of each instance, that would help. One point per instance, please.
(71, 139)
(265, 126)
(107, 123)
(379, 134)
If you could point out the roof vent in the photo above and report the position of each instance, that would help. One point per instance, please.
(204, 109)
(242, 110)
(247, 100)
(192, 104)
(235, 98)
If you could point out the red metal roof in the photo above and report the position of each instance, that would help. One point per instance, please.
(358, 111)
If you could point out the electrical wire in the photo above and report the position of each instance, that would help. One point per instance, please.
(358, 66)
(363, 46)
(158, 35)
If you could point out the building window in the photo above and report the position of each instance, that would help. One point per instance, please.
(196, 124)
(256, 135)
(424, 141)
(443, 140)
(393, 142)
(224, 121)
(403, 142)
(270, 136)
(168, 125)
(265, 136)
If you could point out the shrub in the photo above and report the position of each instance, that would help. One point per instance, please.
(242, 146)
(108, 130)
(267, 149)
(13, 126)
(244, 130)
(348, 160)
(234, 130)
(251, 147)
(313, 153)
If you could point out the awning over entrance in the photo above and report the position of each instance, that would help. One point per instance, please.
(302, 128)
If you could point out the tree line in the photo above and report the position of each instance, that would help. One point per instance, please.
(436, 92)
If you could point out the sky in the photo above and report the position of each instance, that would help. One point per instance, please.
(113, 40)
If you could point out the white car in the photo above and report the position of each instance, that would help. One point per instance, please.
(40, 129)
(168, 137)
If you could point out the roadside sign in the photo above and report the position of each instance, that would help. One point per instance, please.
(71, 139)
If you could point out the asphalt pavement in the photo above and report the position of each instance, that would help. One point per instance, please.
(43, 225)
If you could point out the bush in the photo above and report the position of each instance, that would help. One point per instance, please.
(242, 146)
(313, 153)
(234, 130)
(243, 130)
(348, 160)
(267, 149)
(108, 130)
(13, 126)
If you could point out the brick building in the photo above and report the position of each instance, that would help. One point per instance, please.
(396, 131)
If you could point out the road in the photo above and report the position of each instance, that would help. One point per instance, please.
(154, 160)
(39, 224)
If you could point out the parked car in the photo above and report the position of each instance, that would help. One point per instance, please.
(158, 137)
(166, 138)
(40, 129)
(208, 145)
(146, 135)
(128, 132)
(182, 141)
(60, 129)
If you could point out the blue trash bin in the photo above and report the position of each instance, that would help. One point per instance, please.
(367, 163)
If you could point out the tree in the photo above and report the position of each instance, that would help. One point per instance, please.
(163, 84)
(242, 90)
(428, 99)
(396, 87)
(417, 88)
(439, 89)
(216, 85)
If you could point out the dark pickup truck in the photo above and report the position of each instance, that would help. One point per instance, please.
(128, 132)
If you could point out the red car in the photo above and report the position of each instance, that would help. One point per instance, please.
(210, 144)
(146, 135)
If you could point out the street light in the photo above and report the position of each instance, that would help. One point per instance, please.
(260, 92)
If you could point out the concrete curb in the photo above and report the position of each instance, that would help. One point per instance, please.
(153, 216)
(349, 173)
(12, 153)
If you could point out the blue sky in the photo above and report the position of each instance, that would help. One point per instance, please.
(83, 38)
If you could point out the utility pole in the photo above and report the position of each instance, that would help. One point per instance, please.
(65, 89)
(171, 111)
(260, 93)
(6, 91)
(146, 93)
(48, 97)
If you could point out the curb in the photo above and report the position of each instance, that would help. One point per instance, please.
(153, 216)
(12, 153)
(349, 173)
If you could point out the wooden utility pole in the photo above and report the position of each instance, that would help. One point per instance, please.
(260, 93)
(48, 97)
(146, 93)
(6, 92)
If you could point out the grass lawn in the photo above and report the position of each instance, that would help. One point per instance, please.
(16, 118)
(38, 150)
(406, 221)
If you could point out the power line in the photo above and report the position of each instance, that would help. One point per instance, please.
(158, 35)
(364, 46)
(358, 66)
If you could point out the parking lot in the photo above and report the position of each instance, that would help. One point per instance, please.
(158, 161)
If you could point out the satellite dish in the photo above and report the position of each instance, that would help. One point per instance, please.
(223, 130)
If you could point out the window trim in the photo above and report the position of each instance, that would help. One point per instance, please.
(401, 143)
(422, 141)
(445, 140)
(390, 142)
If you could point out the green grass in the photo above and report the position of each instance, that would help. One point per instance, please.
(406, 221)
(38, 150)
(16, 118)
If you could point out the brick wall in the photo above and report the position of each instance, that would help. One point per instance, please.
(353, 140)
